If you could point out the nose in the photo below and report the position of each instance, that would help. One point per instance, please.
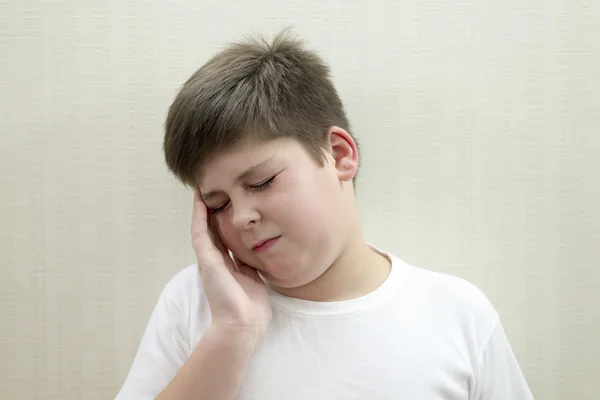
(244, 215)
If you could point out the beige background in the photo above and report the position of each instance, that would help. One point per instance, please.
(480, 131)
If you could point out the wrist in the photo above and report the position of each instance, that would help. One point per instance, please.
(242, 335)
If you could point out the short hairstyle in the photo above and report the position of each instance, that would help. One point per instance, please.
(257, 90)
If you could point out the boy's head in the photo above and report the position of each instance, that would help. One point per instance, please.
(261, 130)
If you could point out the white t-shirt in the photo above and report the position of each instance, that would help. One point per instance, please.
(420, 335)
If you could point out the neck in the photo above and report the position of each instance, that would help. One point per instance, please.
(359, 270)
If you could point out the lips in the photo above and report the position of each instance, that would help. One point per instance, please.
(264, 245)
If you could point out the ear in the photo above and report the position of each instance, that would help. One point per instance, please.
(344, 152)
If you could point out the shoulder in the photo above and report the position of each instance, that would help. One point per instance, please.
(184, 283)
(454, 291)
(185, 295)
(456, 305)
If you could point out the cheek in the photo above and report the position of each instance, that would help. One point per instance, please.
(303, 209)
(228, 234)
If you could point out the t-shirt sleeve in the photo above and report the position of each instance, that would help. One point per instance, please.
(500, 377)
(162, 351)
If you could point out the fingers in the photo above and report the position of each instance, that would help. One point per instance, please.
(208, 247)
(200, 233)
(214, 236)
(247, 270)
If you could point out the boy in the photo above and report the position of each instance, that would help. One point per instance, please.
(287, 301)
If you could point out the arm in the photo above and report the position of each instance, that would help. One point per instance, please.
(216, 367)
(500, 377)
(240, 312)
(165, 364)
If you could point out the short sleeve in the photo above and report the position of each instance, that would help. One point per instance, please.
(162, 352)
(500, 377)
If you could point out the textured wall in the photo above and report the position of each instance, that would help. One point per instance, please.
(481, 157)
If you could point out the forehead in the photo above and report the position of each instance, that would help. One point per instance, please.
(238, 159)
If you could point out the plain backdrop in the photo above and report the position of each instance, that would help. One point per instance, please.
(480, 130)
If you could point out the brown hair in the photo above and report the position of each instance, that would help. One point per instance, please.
(256, 89)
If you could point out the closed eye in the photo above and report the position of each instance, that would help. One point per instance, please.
(263, 185)
(217, 210)
(255, 188)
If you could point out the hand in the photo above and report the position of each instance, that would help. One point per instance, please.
(236, 294)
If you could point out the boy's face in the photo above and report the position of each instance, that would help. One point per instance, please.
(265, 190)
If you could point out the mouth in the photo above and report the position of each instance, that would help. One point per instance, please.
(263, 246)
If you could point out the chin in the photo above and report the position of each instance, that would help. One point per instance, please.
(290, 277)
(281, 278)
(293, 272)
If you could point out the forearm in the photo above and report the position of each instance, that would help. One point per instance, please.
(216, 367)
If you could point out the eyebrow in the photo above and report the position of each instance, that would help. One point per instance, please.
(242, 177)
